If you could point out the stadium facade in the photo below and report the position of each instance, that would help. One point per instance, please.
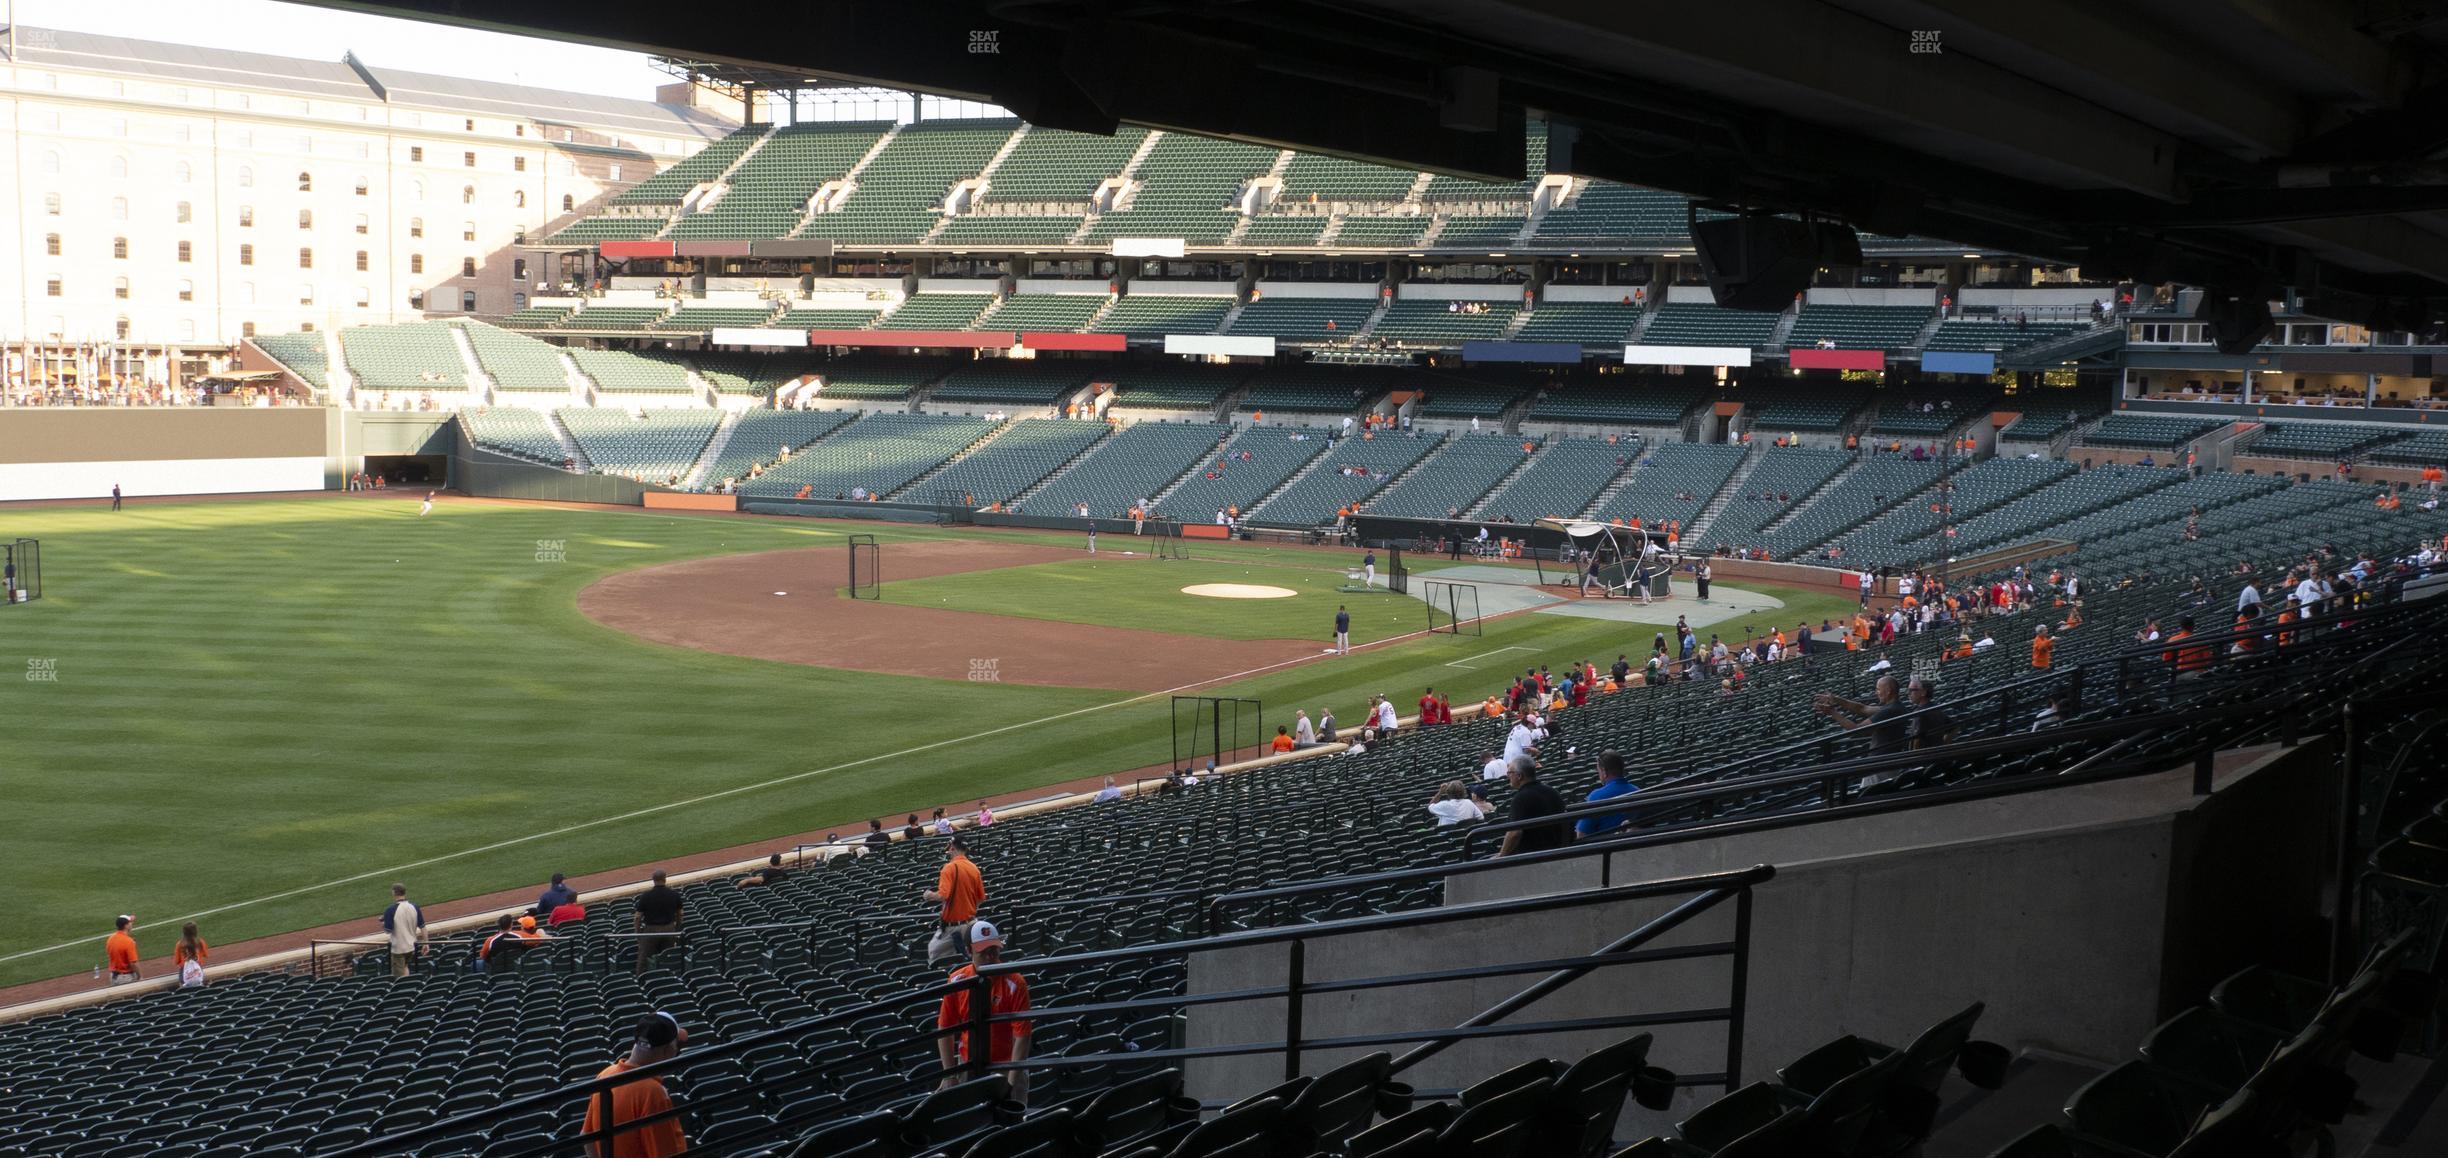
(172, 200)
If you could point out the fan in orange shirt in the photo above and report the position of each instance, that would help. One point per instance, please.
(659, 1038)
(2042, 647)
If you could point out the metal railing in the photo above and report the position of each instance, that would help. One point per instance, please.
(1694, 896)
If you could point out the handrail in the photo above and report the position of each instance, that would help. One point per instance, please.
(1719, 885)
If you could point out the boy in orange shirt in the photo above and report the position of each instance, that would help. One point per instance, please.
(121, 950)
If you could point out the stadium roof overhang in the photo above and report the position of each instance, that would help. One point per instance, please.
(2250, 144)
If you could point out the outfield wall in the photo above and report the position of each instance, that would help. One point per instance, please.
(77, 452)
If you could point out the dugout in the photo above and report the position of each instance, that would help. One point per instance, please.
(409, 470)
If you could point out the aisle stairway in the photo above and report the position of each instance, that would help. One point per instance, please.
(713, 451)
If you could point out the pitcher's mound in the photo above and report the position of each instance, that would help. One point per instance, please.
(1239, 591)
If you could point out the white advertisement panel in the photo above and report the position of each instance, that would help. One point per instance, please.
(1687, 356)
(744, 336)
(1225, 344)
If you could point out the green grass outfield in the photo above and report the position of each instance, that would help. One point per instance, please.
(262, 712)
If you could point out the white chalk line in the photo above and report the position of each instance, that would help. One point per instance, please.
(1465, 662)
(792, 778)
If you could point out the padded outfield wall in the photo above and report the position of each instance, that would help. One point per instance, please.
(76, 452)
(81, 452)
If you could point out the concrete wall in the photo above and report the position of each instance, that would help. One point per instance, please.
(2083, 917)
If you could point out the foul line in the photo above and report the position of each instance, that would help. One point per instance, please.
(736, 790)
(1465, 663)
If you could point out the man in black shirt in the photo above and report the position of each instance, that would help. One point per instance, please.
(1532, 800)
(1623, 670)
(658, 911)
(1342, 631)
(1932, 726)
(877, 839)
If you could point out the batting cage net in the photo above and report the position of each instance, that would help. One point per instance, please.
(1398, 576)
(1453, 608)
(866, 576)
(20, 571)
(1217, 728)
(1163, 538)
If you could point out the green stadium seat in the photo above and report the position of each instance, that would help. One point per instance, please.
(1304, 319)
(1701, 324)
(1337, 179)
(608, 227)
(671, 185)
(1313, 500)
(1131, 467)
(1286, 229)
(513, 430)
(1018, 458)
(2319, 440)
(1479, 232)
(1186, 189)
(616, 319)
(1045, 312)
(517, 362)
(933, 311)
(1454, 480)
(827, 318)
(1393, 232)
(1621, 401)
(621, 372)
(751, 375)
(1020, 383)
(880, 378)
(657, 446)
(416, 356)
(1588, 323)
(541, 316)
(1564, 477)
(2148, 431)
(769, 192)
(1154, 313)
(699, 319)
(1858, 327)
(760, 437)
(1429, 322)
(879, 452)
(303, 353)
(1055, 167)
(898, 198)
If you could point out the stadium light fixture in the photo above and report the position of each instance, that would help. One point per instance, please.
(1495, 255)
(1972, 255)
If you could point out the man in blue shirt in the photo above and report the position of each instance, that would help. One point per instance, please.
(1342, 631)
(1611, 783)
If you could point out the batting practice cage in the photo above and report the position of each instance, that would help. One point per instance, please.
(1605, 560)
(1453, 608)
(1398, 577)
(866, 581)
(1217, 728)
(21, 576)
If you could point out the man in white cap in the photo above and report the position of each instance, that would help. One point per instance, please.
(659, 1038)
(1008, 1041)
